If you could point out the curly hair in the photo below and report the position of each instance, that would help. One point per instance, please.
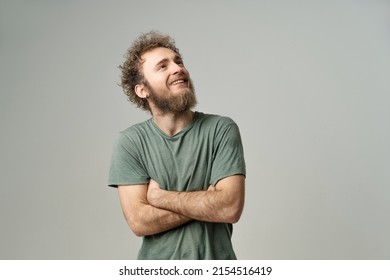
(131, 68)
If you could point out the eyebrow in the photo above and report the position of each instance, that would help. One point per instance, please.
(165, 60)
(162, 61)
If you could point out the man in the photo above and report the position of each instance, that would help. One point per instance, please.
(180, 175)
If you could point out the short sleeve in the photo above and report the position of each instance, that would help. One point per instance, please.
(126, 167)
(228, 157)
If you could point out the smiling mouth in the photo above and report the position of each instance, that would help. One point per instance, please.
(178, 82)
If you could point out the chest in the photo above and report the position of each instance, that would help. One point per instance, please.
(181, 164)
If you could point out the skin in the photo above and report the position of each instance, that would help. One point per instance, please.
(149, 209)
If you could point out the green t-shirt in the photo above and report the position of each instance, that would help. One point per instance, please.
(201, 154)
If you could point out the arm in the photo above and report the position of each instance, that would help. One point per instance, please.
(143, 218)
(221, 204)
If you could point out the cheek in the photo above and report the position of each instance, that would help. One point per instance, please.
(157, 82)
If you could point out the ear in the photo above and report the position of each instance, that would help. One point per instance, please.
(141, 91)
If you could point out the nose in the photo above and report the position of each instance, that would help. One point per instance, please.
(177, 68)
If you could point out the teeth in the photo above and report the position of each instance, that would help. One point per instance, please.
(178, 82)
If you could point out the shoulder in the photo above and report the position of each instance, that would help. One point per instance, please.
(218, 127)
(215, 120)
(134, 133)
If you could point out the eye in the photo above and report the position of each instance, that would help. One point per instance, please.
(162, 67)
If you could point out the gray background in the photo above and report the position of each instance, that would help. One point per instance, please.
(306, 81)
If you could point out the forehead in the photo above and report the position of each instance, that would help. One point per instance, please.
(154, 56)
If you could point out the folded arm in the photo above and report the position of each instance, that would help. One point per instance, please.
(222, 203)
(143, 218)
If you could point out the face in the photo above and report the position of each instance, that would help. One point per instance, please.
(168, 84)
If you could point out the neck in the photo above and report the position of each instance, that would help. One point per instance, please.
(172, 123)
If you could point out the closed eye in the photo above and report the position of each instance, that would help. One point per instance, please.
(161, 65)
(179, 62)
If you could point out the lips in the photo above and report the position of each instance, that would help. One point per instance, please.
(178, 80)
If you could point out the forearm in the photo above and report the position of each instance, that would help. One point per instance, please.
(143, 218)
(200, 205)
(150, 220)
(222, 205)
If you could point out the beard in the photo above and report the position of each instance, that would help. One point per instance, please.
(182, 102)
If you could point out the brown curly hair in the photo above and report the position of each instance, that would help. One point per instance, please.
(131, 68)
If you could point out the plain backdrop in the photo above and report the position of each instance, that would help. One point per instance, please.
(306, 81)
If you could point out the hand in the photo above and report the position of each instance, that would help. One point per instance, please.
(154, 192)
(211, 188)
